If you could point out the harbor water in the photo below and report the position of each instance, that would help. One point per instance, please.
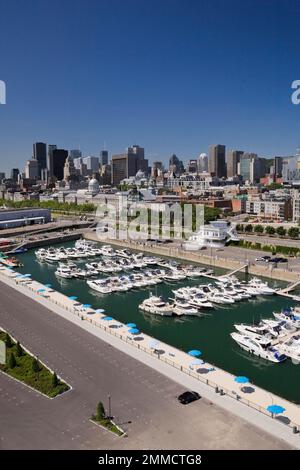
(210, 333)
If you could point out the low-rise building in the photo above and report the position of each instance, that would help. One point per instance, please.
(271, 209)
(11, 218)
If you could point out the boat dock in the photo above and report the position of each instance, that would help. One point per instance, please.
(285, 292)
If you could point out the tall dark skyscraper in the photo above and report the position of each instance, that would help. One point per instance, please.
(175, 164)
(40, 154)
(233, 158)
(103, 157)
(128, 164)
(217, 162)
(59, 157)
(14, 174)
(278, 166)
(51, 148)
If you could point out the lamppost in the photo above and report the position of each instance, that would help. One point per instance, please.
(109, 407)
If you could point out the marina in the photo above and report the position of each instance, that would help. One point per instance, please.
(210, 331)
(188, 362)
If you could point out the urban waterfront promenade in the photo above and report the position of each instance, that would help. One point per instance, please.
(170, 361)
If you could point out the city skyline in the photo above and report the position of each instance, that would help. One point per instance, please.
(193, 83)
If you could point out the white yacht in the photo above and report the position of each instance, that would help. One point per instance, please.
(64, 272)
(126, 281)
(174, 276)
(193, 296)
(184, 308)
(282, 328)
(291, 348)
(100, 285)
(256, 330)
(288, 316)
(116, 285)
(107, 250)
(194, 271)
(213, 295)
(150, 260)
(157, 306)
(124, 254)
(261, 287)
(252, 345)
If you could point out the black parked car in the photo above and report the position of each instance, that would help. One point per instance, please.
(278, 260)
(188, 397)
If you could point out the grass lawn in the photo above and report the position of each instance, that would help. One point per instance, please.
(41, 379)
(106, 423)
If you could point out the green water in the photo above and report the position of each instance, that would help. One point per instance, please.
(210, 334)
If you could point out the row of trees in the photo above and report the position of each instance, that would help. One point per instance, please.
(292, 232)
(52, 205)
(35, 364)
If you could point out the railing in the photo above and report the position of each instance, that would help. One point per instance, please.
(114, 332)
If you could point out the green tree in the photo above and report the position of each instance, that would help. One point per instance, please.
(258, 229)
(100, 414)
(240, 227)
(35, 365)
(249, 228)
(19, 350)
(211, 213)
(281, 231)
(270, 230)
(12, 361)
(293, 232)
(8, 341)
(54, 380)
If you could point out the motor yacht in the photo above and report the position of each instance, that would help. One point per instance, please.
(106, 250)
(149, 260)
(124, 254)
(184, 308)
(291, 348)
(64, 272)
(256, 330)
(282, 328)
(252, 345)
(116, 285)
(157, 306)
(261, 287)
(100, 285)
(174, 276)
(288, 316)
(194, 271)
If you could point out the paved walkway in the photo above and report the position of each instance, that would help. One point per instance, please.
(170, 361)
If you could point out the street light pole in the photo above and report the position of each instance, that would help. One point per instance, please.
(109, 407)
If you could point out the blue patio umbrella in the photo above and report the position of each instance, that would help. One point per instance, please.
(26, 275)
(131, 325)
(275, 409)
(48, 286)
(73, 297)
(153, 343)
(86, 306)
(41, 290)
(241, 379)
(133, 331)
(107, 318)
(197, 362)
(195, 353)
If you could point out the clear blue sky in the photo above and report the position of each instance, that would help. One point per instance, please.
(170, 75)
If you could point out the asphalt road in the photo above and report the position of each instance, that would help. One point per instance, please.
(143, 401)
